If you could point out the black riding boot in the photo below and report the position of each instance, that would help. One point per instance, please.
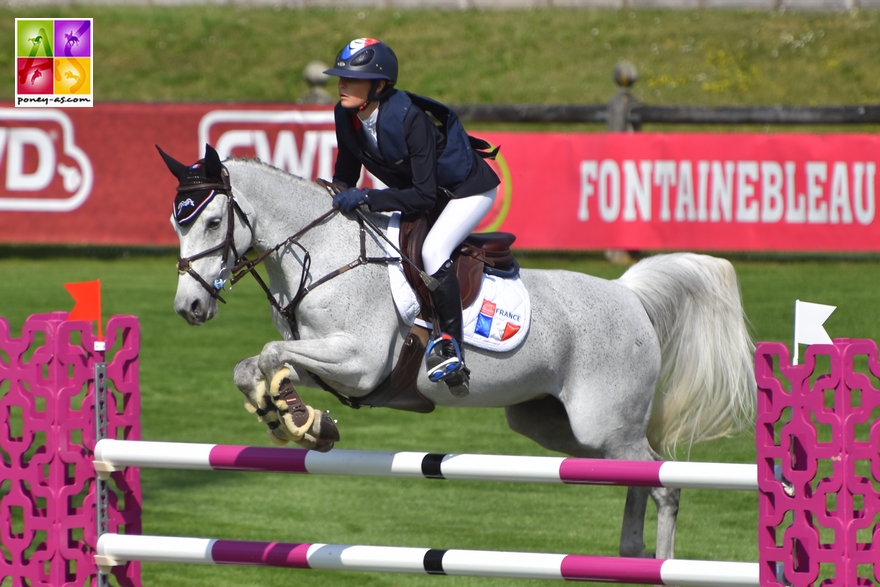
(445, 356)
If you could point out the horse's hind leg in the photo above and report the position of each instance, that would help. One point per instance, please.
(667, 500)
(546, 422)
(632, 531)
(632, 542)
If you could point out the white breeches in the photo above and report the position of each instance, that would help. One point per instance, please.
(460, 217)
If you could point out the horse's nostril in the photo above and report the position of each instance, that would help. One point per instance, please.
(194, 307)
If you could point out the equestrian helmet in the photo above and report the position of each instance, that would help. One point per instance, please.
(366, 59)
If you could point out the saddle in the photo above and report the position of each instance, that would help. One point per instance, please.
(479, 253)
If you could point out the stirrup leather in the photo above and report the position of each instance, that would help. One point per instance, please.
(440, 366)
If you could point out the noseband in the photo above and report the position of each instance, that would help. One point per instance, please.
(184, 264)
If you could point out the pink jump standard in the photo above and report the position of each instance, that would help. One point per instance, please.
(820, 526)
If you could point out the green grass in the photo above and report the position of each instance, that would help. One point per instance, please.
(188, 395)
(702, 57)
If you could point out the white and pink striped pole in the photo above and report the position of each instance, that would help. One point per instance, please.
(119, 548)
(114, 454)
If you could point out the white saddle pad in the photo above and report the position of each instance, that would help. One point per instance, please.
(499, 318)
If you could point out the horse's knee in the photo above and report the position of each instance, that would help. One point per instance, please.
(269, 358)
(246, 374)
(248, 379)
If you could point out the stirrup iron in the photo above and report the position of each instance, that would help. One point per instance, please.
(440, 366)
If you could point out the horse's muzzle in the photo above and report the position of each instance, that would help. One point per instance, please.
(196, 312)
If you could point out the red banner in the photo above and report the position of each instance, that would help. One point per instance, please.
(782, 192)
(93, 176)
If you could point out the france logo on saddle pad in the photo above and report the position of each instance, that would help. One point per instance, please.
(498, 320)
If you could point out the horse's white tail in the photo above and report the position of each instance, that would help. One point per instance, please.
(707, 384)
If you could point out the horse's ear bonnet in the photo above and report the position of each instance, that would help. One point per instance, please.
(188, 204)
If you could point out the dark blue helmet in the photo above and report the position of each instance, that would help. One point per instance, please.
(366, 59)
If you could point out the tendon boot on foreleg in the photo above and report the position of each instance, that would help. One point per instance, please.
(306, 426)
(267, 414)
(444, 356)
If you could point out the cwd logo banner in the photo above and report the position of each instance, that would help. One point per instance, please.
(53, 62)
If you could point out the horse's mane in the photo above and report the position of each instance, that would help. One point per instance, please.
(247, 162)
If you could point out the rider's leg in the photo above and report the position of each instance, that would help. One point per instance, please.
(458, 219)
(443, 358)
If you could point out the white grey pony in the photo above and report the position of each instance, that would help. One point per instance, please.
(621, 369)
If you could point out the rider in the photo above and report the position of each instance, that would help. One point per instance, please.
(426, 167)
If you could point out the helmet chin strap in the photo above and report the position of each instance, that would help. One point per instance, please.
(372, 96)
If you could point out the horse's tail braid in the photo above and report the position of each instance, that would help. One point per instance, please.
(707, 385)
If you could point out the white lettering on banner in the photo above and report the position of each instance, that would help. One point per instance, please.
(32, 148)
(817, 210)
(747, 207)
(17, 141)
(728, 191)
(772, 204)
(722, 191)
(286, 154)
(638, 191)
(318, 146)
(609, 190)
(313, 158)
(664, 176)
(588, 179)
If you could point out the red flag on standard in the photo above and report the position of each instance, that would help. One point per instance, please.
(87, 302)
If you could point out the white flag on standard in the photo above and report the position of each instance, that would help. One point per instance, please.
(808, 321)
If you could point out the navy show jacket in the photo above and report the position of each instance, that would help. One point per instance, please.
(418, 160)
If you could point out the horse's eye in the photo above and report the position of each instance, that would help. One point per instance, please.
(214, 223)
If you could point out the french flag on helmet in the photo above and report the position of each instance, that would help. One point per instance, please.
(356, 46)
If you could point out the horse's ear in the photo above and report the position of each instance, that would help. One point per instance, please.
(175, 166)
(212, 162)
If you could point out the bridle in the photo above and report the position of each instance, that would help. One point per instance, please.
(184, 264)
(243, 265)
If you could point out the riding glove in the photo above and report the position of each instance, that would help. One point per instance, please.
(350, 199)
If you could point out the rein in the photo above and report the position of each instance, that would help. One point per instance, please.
(245, 266)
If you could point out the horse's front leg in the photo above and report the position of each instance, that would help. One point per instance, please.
(269, 381)
(347, 363)
(276, 403)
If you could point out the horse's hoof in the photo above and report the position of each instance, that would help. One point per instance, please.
(323, 434)
(324, 429)
(322, 446)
